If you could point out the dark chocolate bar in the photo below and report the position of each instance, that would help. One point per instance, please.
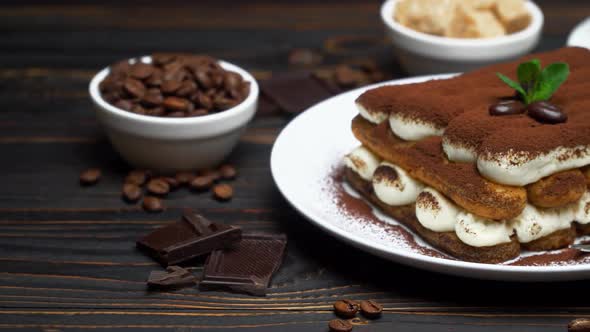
(247, 267)
(193, 236)
(174, 277)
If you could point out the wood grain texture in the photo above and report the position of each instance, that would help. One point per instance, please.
(67, 255)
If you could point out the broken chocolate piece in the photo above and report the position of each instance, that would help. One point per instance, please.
(173, 277)
(193, 236)
(246, 268)
(295, 92)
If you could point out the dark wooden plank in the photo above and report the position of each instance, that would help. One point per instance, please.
(67, 256)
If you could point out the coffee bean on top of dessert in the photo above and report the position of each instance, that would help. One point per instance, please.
(173, 85)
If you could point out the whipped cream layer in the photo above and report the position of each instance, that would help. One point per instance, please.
(393, 186)
(372, 116)
(411, 129)
(520, 168)
(363, 162)
(437, 213)
(459, 152)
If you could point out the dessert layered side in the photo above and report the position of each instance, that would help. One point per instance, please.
(481, 187)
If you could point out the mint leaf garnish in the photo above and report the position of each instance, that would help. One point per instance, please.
(535, 84)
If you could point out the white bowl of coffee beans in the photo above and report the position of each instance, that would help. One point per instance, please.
(172, 112)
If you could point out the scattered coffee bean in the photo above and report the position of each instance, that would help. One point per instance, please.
(201, 183)
(579, 325)
(158, 186)
(339, 325)
(546, 112)
(223, 192)
(176, 83)
(346, 308)
(347, 77)
(153, 204)
(184, 177)
(212, 173)
(172, 182)
(371, 309)
(228, 172)
(131, 192)
(304, 57)
(507, 107)
(90, 176)
(137, 177)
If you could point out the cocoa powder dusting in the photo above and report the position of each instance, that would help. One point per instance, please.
(567, 256)
(363, 212)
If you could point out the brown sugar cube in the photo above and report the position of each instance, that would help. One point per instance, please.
(471, 23)
(428, 16)
(513, 14)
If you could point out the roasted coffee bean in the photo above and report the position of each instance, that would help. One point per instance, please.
(138, 109)
(90, 176)
(124, 104)
(172, 182)
(198, 112)
(223, 192)
(163, 58)
(579, 325)
(339, 325)
(228, 172)
(346, 308)
(304, 57)
(176, 114)
(141, 70)
(213, 173)
(158, 187)
(155, 80)
(134, 87)
(186, 89)
(347, 77)
(205, 101)
(170, 87)
(176, 104)
(232, 81)
(201, 183)
(155, 111)
(137, 177)
(507, 107)
(204, 80)
(184, 177)
(152, 98)
(153, 204)
(546, 112)
(131, 192)
(223, 103)
(371, 309)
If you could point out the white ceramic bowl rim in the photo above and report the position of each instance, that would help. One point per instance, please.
(206, 119)
(388, 10)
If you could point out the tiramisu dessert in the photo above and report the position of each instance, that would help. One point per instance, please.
(485, 164)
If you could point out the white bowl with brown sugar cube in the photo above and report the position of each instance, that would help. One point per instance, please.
(174, 112)
(449, 36)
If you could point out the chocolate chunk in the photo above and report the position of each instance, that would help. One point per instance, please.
(545, 112)
(246, 268)
(507, 107)
(295, 92)
(188, 238)
(173, 278)
(339, 325)
(90, 176)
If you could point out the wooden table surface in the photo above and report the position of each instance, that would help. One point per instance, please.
(67, 254)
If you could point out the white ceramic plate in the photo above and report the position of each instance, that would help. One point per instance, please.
(303, 159)
(580, 36)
